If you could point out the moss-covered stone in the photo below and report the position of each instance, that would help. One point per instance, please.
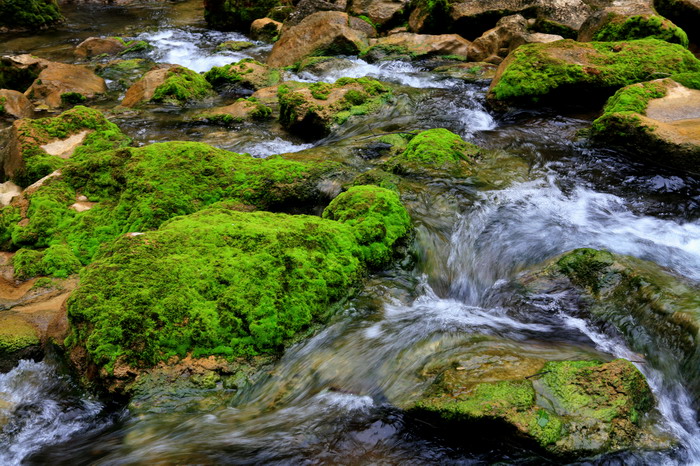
(241, 110)
(221, 282)
(29, 14)
(236, 15)
(124, 73)
(311, 110)
(657, 312)
(246, 73)
(640, 27)
(57, 261)
(181, 85)
(571, 408)
(26, 157)
(18, 340)
(133, 46)
(573, 70)
(436, 150)
(234, 46)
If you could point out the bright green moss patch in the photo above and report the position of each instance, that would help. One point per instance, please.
(536, 70)
(247, 73)
(584, 266)
(182, 85)
(689, 80)
(640, 27)
(377, 217)
(434, 150)
(635, 98)
(72, 98)
(57, 261)
(29, 14)
(32, 134)
(16, 334)
(234, 45)
(215, 282)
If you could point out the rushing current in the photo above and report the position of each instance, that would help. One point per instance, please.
(327, 400)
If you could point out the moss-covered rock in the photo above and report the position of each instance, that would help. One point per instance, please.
(614, 27)
(239, 111)
(122, 74)
(572, 71)
(18, 340)
(567, 408)
(657, 312)
(58, 261)
(236, 15)
(224, 282)
(409, 46)
(29, 14)
(247, 73)
(656, 120)
(173, 85)
(234, 46)
(436, 150)
(38, 147)
(311, 110)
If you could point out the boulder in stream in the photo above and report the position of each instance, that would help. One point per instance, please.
(572, 71)
(656, 120)
(167, 84)
(247, 73)
(265, 29)
(627, 23)
(15, 105)
(410, 46)
(241, 110)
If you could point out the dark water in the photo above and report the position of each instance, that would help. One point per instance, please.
(332, 399)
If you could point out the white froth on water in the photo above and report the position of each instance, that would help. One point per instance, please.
(272, 146)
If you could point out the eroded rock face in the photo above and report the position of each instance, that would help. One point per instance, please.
(656, 120)
(323, 33)
(306, 8)
(93, 46)
(15, 104)
(413, 46)
(382, 13)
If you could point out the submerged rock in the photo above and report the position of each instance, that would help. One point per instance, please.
(321, 34)
(311, 110)
(572, 71)
(657, 120)
(225, 282)
(657, 312)
(169, 84)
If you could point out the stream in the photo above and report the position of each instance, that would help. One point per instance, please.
(329, 399)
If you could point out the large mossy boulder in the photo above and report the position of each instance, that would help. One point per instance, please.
(612, 24)
(657, 312)
(312, 110)
(236, 15)
(137, 189)
(247, 73)
(227, 283)
(573, 71)
(656, 120)
(38, 147)
(28, 14)
(171, 85)
(436, 151)
(566, 408)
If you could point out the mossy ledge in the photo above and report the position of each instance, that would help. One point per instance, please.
(228, 283)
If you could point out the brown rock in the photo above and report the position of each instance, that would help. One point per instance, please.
(510, 32)
(144, 88)
(306, 8)
(93, 46)
(324, 33)
(420, 45)
(15, 104)
(265, 29)
(381, 12)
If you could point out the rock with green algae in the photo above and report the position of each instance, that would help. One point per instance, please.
(657, 312)
(228, 283)
(656, 120)
(38, 147)
(434, 151)
(168, 84)
(234, 45)
(572, 71)
(18, 340)
(122, 74)
(137, 189)
(608, 25)
(239, 111)
(29, 14)
(312, 110)
(236, 15)
(247, 73)
(567, 408)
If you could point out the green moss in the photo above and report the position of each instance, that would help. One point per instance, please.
(635, 98)
(689, 80)
(3, 100)
(72, 98)
(31, 14)
(436, 149)
(9, 216)
(247, 73)
(234, 45)
(584, 266)
(640, 27)
(321, 90)
(38, 163)
(377, 217)
(236, 15)
(214, 282)
(56, 261)
(16, 334)
(180, 86)
(437, 14)
(533, 70)
(135, 46)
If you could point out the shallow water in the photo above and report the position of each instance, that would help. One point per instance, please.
(333, 398)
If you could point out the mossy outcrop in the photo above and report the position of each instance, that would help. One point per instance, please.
(236, 15)
(172, 85)
(408, 46)
(436, 151)
(572, 71)
(655, 120)
(566, 408)
(29, 14)
(239, 111)
(18, 340)
(247, 73)
(311, 110)
(229, 283)
(608, 26)
(38, 147)
(656, 311)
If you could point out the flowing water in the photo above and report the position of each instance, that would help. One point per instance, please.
(332, 398)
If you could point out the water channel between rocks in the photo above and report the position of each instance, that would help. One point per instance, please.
(328, 398)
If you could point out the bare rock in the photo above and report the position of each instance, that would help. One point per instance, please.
(93, 46)
(15, 104)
